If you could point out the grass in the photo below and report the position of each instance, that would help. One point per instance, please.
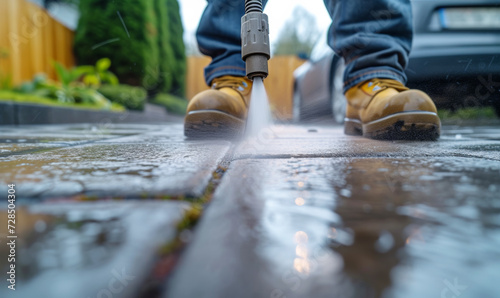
(6, 95)
(468, 114)
(172, 103)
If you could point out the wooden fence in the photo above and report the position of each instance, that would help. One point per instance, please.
(279, 84)
(30, 40)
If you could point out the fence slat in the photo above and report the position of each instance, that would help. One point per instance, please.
(279, 84)
(33, 40)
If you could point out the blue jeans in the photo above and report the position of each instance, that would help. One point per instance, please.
(373, 36)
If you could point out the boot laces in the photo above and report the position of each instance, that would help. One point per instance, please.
(235, 83)
(386, 83)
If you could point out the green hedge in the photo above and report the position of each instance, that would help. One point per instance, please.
(172, 103)
(166, 65)
(6, 95)
(148, 51)
(179, 49)
(133, 98)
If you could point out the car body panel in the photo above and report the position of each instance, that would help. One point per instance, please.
(444, 53)
(445, 63)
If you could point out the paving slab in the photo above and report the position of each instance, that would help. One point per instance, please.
(166, 134)
(7, 148)
(80, 132)
(109, 160)
(348, 227)
(32, 139)
(303, 211)
(91, 249)
(330, 141)
(131, 170)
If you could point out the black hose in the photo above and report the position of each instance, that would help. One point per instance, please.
(253, 6)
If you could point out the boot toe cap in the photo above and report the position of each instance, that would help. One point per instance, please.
(413, 100)
(406, 101)
(219, 101)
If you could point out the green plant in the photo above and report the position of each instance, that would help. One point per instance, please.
(77, 85)
(67, 76)
(5, 80)
(469, 113)
(172, 103)
(16, 96)
(90, 75)
(64, 92)
(133, 98)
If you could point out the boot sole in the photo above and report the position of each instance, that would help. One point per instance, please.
(212, 124)
(421, 126)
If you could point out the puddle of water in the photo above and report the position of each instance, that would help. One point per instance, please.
(418, 228)
(73, 241)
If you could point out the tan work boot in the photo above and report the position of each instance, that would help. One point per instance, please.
(386, 109)
(221, 111)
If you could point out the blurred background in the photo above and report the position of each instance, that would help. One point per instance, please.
(123, 56)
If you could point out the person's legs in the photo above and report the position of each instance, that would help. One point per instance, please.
(373, 36)
(219, 36)
(222, 110)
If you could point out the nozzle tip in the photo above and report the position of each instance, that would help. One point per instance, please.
(256, 66)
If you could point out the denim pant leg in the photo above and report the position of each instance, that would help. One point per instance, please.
(373, 36)
(219, 36)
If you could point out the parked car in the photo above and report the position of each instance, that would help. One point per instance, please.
(455, 58)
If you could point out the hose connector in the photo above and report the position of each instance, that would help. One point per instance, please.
(255, 48)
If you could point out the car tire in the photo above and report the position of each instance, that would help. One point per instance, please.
(296, 109)
(338, 100)
(496, 105)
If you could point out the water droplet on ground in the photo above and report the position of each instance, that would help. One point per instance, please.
(385, 242)
(345, 193)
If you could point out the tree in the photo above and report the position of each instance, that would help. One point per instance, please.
(143, 39)
(172, 49)
(131, 44)
(178, 48)
(47, 3)
(299, 34)
(167, 59)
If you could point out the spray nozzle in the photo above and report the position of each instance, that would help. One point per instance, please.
(255, 47)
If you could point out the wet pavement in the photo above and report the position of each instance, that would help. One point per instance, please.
(300, 211)
(118, 162)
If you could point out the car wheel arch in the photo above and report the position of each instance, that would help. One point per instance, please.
(338, 115)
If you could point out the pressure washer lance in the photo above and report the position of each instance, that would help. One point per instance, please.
(255, 49)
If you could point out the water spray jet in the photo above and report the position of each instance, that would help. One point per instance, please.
(255, 51)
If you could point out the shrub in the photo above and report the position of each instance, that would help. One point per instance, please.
(66, 92)
(5, 79)
(131, 45)
(467, 113)
(16, 96)
(147, 49)
(133, 98)
(176, 42)
(166, 64)
(172, 103)
(90, 75)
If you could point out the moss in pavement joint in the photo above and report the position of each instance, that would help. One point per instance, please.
(194, 213)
